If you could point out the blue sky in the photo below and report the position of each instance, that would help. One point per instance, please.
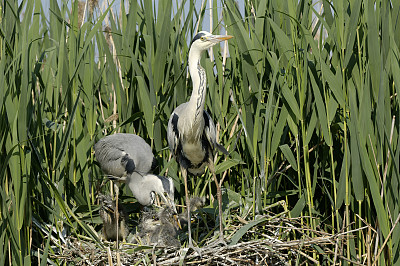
(117, 3)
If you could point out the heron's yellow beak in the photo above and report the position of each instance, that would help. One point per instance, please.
(177, 221)
(175, 215)
(224, 37)
(219, 38)
(169, 201)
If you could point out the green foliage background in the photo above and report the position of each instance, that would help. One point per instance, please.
(314, 104)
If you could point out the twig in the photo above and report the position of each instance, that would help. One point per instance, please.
(344, 258)
(110, 262)
(308, 257)
(386, 240)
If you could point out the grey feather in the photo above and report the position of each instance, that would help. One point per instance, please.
(121, 154)
(128, 158)
(176, 138)
(158, 228)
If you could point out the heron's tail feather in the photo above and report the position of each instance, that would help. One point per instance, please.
(222, 149)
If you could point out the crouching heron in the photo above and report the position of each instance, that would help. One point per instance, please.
(191, 131)
(128, 158)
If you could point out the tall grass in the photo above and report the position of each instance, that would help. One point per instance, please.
(314, 93)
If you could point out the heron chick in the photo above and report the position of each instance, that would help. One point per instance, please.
(159, 227)
(107, 214)
(195, 204)
(128, 158)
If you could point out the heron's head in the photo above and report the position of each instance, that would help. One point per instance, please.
(164, 186)
(204, 40)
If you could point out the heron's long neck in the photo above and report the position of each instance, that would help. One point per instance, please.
(136, 183)
(199, 79)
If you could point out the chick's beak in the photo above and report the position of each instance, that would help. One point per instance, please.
(176, 218)
(171, 203)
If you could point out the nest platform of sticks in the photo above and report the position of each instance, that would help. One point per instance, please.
(268, 240)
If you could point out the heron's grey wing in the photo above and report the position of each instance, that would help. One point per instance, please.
(112, 158)
(210, 132)
(139, 151)
(123, 153)
(173, 133)
(174, 136)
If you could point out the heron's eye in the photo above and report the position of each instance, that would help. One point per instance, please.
(203, 38)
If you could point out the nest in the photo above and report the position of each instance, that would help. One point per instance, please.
(158, 228)
(269, 239)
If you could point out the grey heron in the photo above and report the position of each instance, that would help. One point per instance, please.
(191, 131)
(128, 158)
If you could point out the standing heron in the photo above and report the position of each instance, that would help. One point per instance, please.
(191, 131)
(128, 158)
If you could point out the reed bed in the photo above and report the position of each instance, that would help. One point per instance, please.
(305, 97)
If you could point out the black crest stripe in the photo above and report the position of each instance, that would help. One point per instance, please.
(198, 36)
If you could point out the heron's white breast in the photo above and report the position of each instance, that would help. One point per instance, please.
(194, 152)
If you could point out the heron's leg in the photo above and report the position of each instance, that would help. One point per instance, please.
(219, 198)
(116, 211)
(184, 174)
